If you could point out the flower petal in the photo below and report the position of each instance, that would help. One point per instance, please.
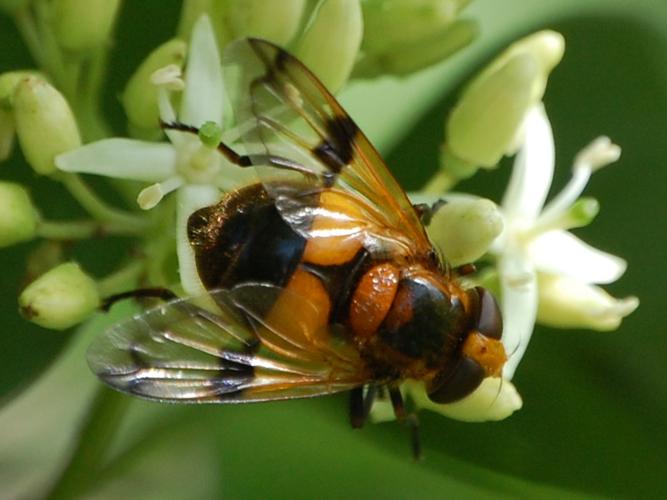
(203, 95)
(560, 252)
(533, 169)
(495, 399)
(190, 198)
(518, 283)
(122, 158)
(569, 303)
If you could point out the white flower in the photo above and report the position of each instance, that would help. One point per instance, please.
(545, 271)
(185, 164)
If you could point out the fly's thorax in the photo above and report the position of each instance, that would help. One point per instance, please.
(425, 320)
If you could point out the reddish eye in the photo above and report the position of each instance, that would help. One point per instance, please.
(489, 321)
(457, 383)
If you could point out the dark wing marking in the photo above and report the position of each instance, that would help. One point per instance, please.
(179, 352)
(283, 111)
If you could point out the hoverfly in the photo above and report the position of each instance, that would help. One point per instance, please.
(322, 276)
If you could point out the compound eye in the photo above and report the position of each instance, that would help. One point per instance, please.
(452, 385)
(489, 321)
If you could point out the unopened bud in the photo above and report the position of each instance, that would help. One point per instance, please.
(8, 83)
(60, 298)
(140, 96)
(18, 218)
(465, 228)
(275, 20)
(45, 124)
(83, 25)
(484, 124)
(406, 58)
(565, 302)
(331, 41)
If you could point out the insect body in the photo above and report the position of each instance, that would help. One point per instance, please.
(321, 275)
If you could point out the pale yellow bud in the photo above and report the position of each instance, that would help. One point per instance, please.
(60, 298)
(405, 58)
(484, 124)
(331, 41)
(140, 98)
(83, 25)
(275, 20)
(45, 124)
(18, 218)
(464, 229)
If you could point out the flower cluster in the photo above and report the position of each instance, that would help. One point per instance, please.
(540, 271)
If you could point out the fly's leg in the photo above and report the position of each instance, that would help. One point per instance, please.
(426, 211)
(241, 160)
(163, 294)
(409, 419)
(360, 405)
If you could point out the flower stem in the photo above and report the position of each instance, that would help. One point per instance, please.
(97, 432)
(440, 183)
(26, 25)
(98, 208)
(122, 279)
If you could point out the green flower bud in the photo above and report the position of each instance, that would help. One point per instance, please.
(83, 25)
(60, 298)
(565, 302)
(405, 58)
(331, 41)
(45, 124)
(8, 83)
(465, 228)
(391, 23)
(275, 20)
(140, 96)
(487, 119)
(18, 218)
(402, 37)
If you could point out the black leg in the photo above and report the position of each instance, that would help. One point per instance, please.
(140, 293)
(426, 211)
(239, 159)
(360, 405)
(409, 419)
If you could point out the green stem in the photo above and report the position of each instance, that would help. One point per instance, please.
(439, 183)
(91, 123)
(53, 60)
(26, 25)
(98, 208)
(123, 279)
(99, 427)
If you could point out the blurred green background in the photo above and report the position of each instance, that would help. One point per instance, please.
(593, 422)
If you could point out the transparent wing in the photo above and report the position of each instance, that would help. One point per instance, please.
(304, 144)
(248, 350)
